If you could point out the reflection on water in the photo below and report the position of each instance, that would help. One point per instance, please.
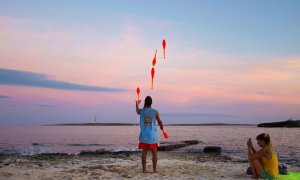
(74, 139)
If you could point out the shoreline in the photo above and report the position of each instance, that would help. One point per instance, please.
(133, 124)
(121, 165)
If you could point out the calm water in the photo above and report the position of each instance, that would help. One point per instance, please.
(29, 140)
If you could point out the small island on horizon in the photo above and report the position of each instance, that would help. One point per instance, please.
(290, 123)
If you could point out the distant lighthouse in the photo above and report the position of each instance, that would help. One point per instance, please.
(95, 120)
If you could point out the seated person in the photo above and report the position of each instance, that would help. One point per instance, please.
(264, 162)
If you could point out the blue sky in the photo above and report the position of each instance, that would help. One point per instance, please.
(227, 61)
(245, 27)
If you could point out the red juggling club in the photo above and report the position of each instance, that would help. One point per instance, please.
(138, 92)
(154, 59)
(164, 44)
(165, 134)
(152, 76)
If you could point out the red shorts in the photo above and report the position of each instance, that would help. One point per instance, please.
(147, 146)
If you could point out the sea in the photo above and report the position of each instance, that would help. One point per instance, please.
(31, 140)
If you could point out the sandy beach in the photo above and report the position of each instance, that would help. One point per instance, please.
(171, 165)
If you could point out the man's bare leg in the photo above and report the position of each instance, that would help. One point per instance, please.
(144, 157)
(154, 159)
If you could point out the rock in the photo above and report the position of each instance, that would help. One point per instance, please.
(176, 145)
(6, 162)
(47, 165)
(228, 158)
(212, 149)
(249, 171)
(53, 154)
(97, 152)
(200, 161)
(105, 152)
(283, 169)
(171, 147)
(9, 161)
(191, 142)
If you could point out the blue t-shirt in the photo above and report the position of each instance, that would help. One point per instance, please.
(148, 126)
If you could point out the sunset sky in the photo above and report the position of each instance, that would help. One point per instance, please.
(227, 61)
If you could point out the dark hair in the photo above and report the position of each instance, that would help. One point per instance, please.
(264, 137)
(148, 101)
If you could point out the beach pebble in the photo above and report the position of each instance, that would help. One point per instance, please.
(200, 161)
(47, 165)
(6, 162)
(112, 160)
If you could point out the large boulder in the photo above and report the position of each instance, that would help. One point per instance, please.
(213, 149)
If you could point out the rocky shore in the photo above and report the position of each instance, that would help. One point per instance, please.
(171, 165)
(121, 165)
(101, 164)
